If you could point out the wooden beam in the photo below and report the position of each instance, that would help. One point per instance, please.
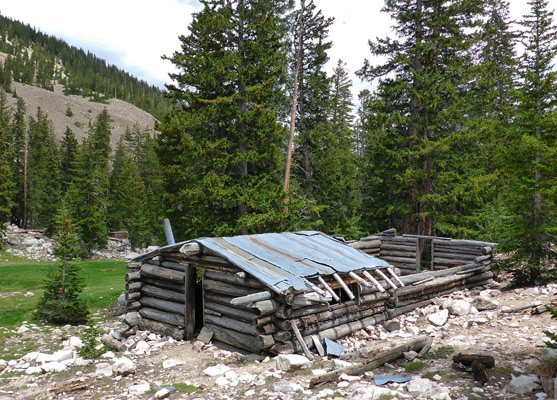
(302, 342)
(189, 305)
(344, 287)
(382, 275)
(328, 288)
(250, 298)
(359, 279)
(395, 276)
(374, 281)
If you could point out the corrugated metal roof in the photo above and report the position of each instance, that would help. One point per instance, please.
(285, 261)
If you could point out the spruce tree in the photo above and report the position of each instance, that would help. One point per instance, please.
(87, 195)
(6, 182)
(69, 148)
(19, 148)
(220, 147)
(61, 302)
(43, 171)
(418, 145)
(529, 155)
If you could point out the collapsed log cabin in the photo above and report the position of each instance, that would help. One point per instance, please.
(282, 293)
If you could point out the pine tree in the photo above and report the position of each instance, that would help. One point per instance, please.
(61, 302)
(529, 156)
(6, 183)
(220, 148)
(310, 48)
(69, 152)
(19, 148)
(44, 182)
(87, 195)
(418, 145)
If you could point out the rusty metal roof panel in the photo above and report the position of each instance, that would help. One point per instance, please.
(284, 261)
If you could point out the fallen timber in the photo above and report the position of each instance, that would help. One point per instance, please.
(243, 311)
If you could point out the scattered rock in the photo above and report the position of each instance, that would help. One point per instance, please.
(216, 370)
(410, 355)
(523, 384)
(132, 318)
(376, 393)
(439, 318)
(289, 362)
(534, 291)
(123, 366)
(459, 307)
(483, 303)
(29, 294)
(171, 363)
(162, 394)
(104, 369)
(392, 326)
(53, 366)
(289, 388)
(139, 389)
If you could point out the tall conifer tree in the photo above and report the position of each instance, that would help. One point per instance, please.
(220, 148)
(69, 148)
(529, 156)
(19, 134)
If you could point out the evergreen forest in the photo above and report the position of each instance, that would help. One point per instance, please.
(456, 138)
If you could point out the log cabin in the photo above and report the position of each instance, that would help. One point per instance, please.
(288, 292)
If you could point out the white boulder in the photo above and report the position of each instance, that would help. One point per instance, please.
(289, 362)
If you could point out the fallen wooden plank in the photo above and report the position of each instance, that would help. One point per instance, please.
(374, 362)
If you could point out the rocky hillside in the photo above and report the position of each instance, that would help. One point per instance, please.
(56, 104)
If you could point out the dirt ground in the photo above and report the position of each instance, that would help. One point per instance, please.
(515, 340)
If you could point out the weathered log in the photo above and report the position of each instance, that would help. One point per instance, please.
(157, 292)
(521, 308)
(397, 247)
(233, 312)
(282, 348)
(398, 239)
(132, 276)
(378, 360)
(306, 299)
(134, 266)
(162, 316)
(473, 243)
(300, 312)
(115, 344)
(163, 284)
(371, 251)
(266, 307)
(328, 288)
(133, 286)
(370, 238)
(366, 244)
(399, 259)
(388, 232)
(181, 267)
(267, 329)
(468, 359)
(265, 341)
(482, 258)
(487, 250)
(162, 328)
(234, 279)
(234, 324)
(346, 319)
(132, 296)
(162, 273)
(164, 305)
(454, 256)
(190, 277)
(237, 339)
(446, 261)
(282, 336)
(252, 297)
(301, 342)
(133, 306)
(190, 249)
(318, 345)
(227, 288)
(263, 320)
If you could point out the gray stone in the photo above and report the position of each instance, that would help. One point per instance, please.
(63, 355)
(123, 366)
(132, 318)
(549, 354)
(104, 369)
(171, 363)
(339, 364)
(410, 355)
(289, 388)
(139, 389)
(439, 318)
(459, 307)
(216, 370)
(162, 394)
(289, 362)
(392, 326)
(53, 366)
(376, 393)
(419, 385)
(122, 300)
(33, 370)
(483, 303)
(524, 384)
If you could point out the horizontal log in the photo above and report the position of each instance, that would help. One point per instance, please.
(307, 299)
(388, 232)
(233, 323)
(164, 305)
(237, 339)
(341, 320)
(399, 259)
(134, 266)
(398, 239)
(133, 306)
(454, 256)
(190, 249)
(371, 251)
(462, 242)
(266, 307)
(162, 328)
(446, 261)
(162, 273)
(282, 336)
(133, 286)
(252, 297)
(174, 265)
(227, 288)
(398, 247)
(132, 276)
(162, 316)
(232, 312)
(482, 258)
(132, 296)
(370, 238)
(267, 329)
(263, 320)
(177, 287)
(367, 244)
(161, 293)
(234, 279)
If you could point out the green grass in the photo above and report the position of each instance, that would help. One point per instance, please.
(104, 282)
(414, 366)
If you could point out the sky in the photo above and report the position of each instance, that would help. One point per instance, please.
(134, 34)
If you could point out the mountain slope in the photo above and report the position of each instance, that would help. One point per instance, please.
(56, 103)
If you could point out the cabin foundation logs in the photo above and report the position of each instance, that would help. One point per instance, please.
(243, 312)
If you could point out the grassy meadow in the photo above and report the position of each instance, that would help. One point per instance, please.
(104, 280)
